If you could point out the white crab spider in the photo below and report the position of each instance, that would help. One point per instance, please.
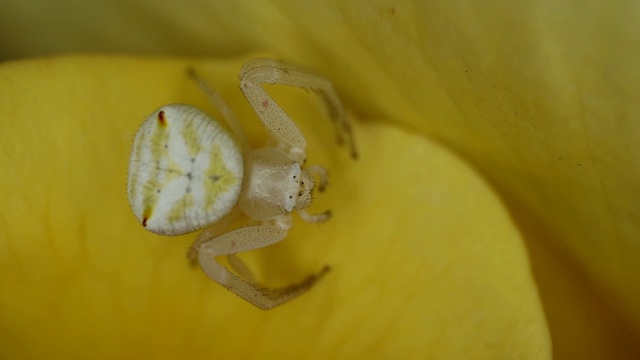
(187, 172)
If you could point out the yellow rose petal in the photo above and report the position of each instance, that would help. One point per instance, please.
(425, 258)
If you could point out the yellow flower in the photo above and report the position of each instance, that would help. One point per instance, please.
(493, 211)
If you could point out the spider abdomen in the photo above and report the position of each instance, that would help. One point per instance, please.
(185, 171)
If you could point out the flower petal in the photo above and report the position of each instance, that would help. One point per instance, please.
(425, 257)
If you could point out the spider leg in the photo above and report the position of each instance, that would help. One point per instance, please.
(314, 218)
(257, 72)
(209, 233)
(241, 268)
(245, 239)
(217, 100)
(320, 172)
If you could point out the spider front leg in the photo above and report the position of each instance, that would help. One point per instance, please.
(257, 72)
(246, 239)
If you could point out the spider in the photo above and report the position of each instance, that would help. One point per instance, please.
(187, 172)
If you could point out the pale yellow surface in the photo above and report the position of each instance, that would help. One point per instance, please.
(539, 96)
(426, 259)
